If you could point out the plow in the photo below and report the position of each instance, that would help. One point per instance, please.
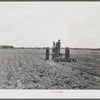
(57, 56)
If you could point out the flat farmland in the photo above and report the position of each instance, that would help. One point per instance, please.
(27, 69)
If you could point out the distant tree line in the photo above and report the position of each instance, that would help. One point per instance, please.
(6, 46)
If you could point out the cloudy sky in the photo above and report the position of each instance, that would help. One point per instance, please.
(33, 24)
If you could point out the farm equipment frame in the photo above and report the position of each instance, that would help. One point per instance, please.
(57, 56)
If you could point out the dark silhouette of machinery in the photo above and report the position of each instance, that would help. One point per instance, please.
(57, 56)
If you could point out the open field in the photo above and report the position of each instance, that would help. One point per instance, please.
(27, 69)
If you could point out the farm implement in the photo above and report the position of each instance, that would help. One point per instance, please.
(57, 56)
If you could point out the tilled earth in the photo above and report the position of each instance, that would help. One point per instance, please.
(27, 69)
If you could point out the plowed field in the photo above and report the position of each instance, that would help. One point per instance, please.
(27, 69)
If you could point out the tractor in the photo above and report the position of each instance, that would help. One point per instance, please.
(57, 56)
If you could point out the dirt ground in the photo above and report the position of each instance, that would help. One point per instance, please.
(27, 69)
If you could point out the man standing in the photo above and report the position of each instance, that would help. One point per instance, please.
(58, 45)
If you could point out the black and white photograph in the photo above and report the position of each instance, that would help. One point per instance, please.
(50, 46)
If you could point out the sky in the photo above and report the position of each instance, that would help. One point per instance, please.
(38, 24)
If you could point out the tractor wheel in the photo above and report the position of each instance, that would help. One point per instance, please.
(67, 53)
(47, 53)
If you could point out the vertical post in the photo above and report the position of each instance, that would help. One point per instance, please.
(47, 53)
(67, 53)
